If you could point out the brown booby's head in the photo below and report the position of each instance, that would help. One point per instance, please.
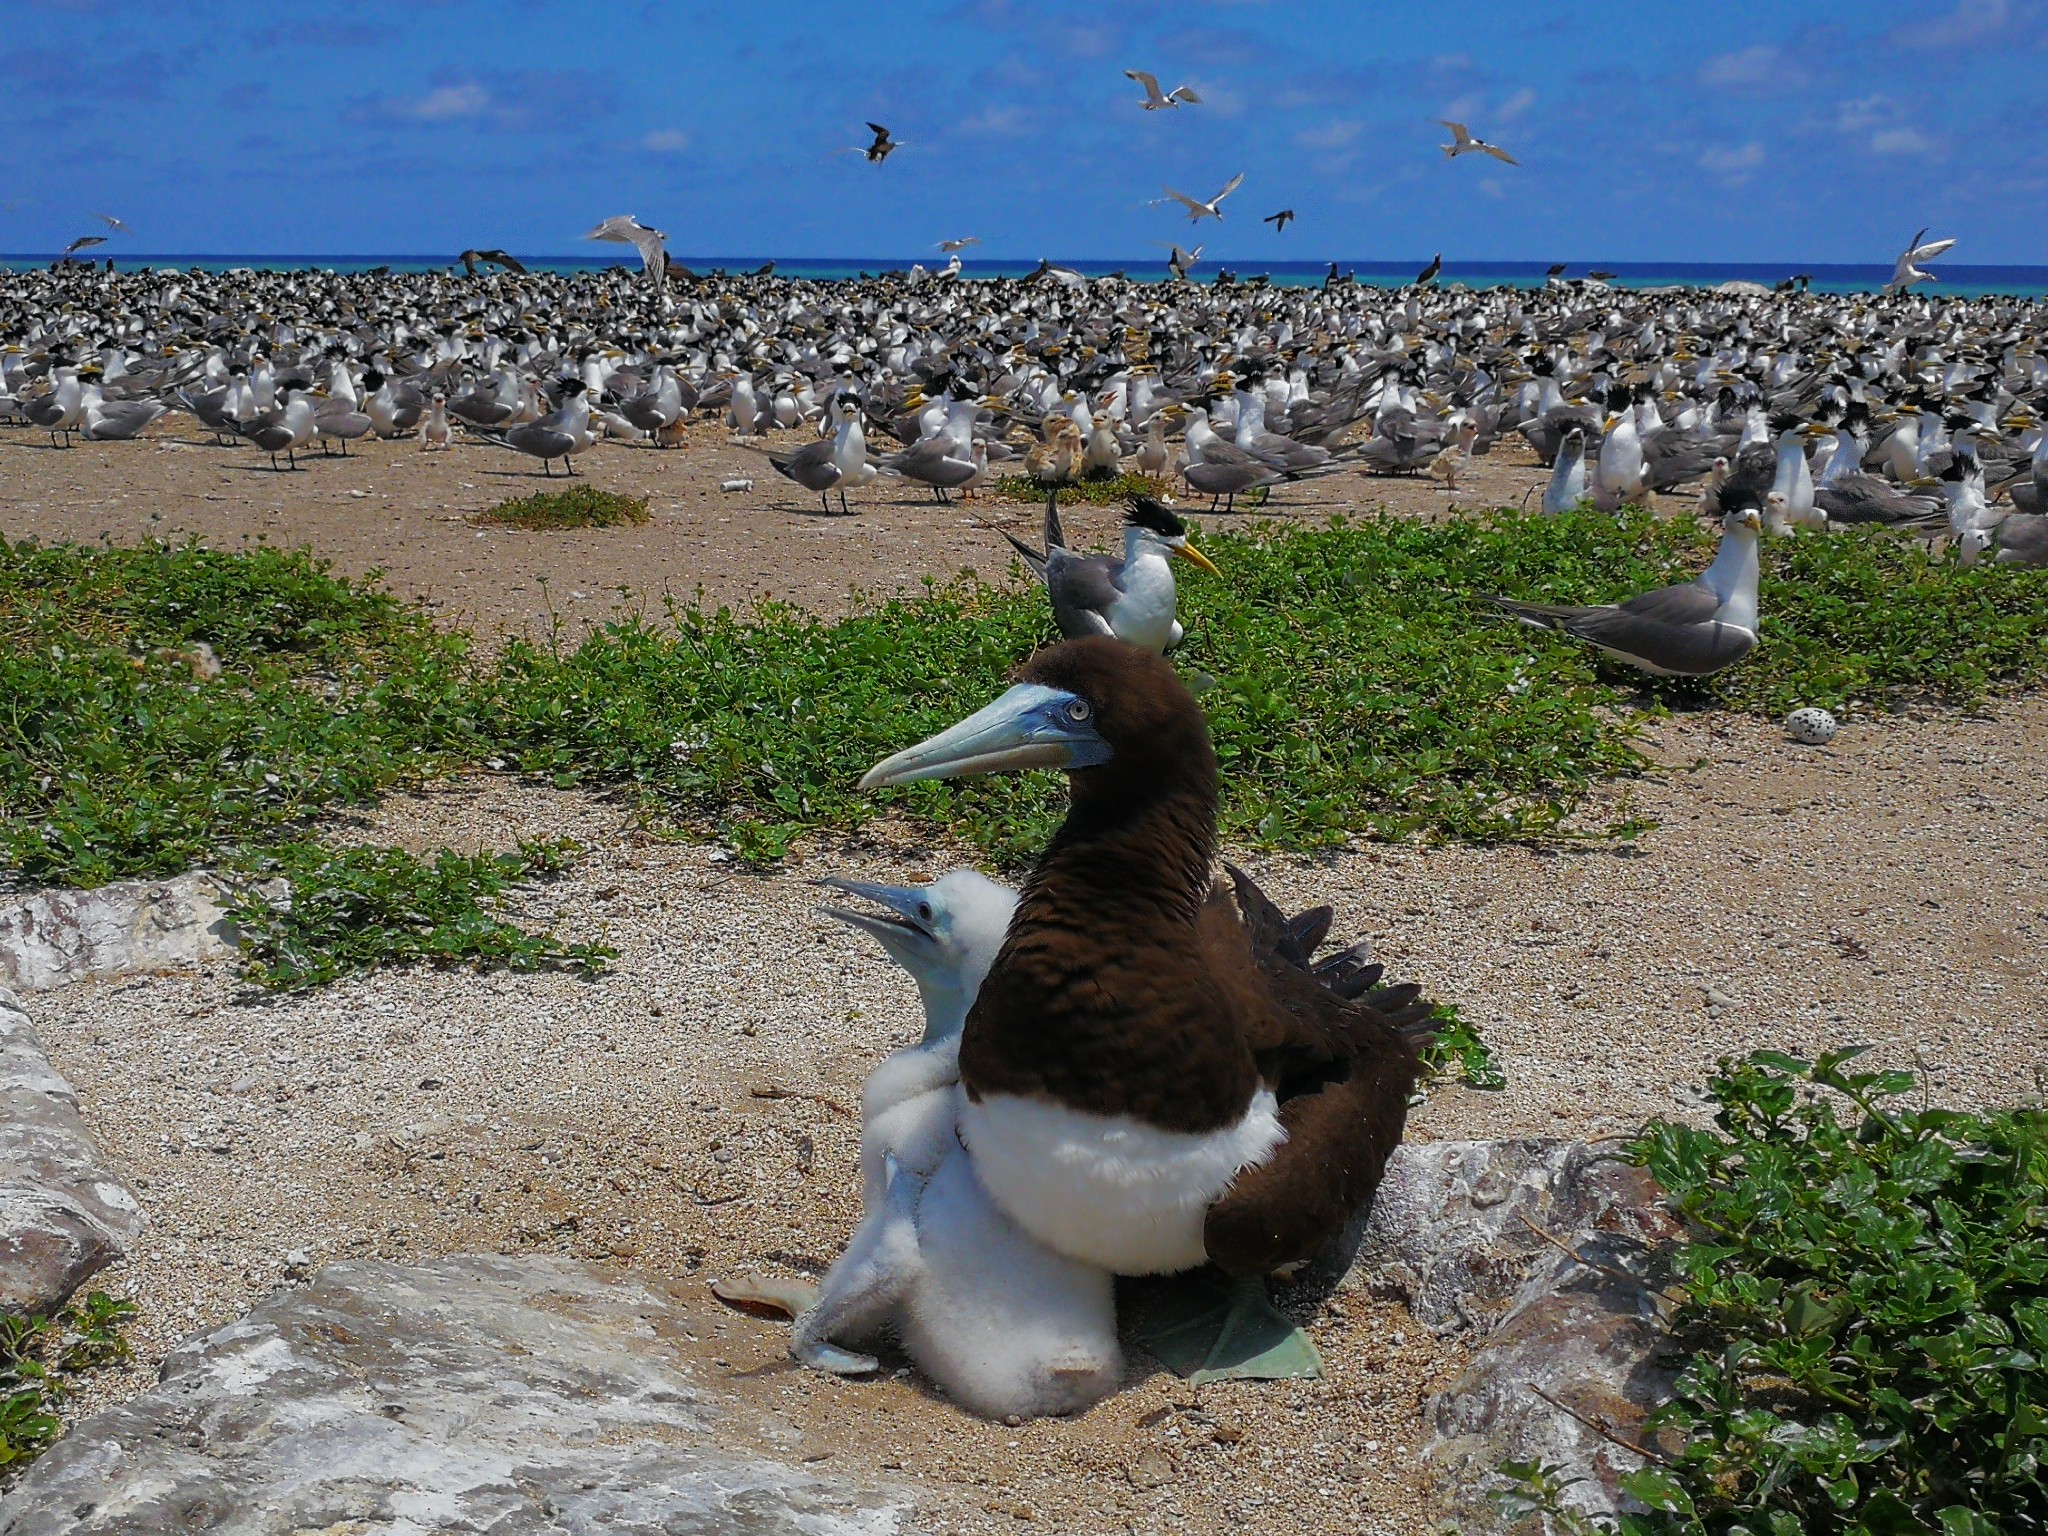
(1097, 707)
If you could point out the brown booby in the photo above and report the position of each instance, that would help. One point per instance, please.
(1153, 1079)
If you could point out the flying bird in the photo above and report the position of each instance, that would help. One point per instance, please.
(652, 244)
(84, 242)
(1181, 262)
(1279, 220)
(1907, 270)
(1462, 143)
(1429, 273)
(469, 260)
(953, 247)
(883, 147)
(1212, 209)
(1154, 101)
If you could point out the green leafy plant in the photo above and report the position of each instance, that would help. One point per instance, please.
(581, 506)
(40, 1357)
(1459, 1054)
(1099, 489)
(1865, 1301)
(350, 909)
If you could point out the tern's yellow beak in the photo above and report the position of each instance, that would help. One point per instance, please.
(1189, 552)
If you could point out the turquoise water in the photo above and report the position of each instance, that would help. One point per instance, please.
(1955, 278)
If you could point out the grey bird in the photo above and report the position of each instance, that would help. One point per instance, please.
(1693, 629)
(1133, 598)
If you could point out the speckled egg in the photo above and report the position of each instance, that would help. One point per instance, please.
(1813, 727)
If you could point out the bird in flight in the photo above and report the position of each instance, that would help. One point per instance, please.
(113, 223)
(652, 244)
(951, 247)
(1279, 220)
(1181, 262)
(1154, 101)
(883, 147)
(84, 242)
(470, 258)
(1907, 271)
(1462, 143)
(1213, 208)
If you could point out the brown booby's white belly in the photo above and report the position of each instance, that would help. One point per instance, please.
(1110, 1190)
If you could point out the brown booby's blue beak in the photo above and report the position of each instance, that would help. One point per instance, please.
(1031, 726)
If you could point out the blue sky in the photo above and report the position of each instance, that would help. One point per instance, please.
(1728, 131)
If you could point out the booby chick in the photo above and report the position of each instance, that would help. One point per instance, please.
(1693, 629)
(1134, 598)
(1007, 1327)
(1145, 1089)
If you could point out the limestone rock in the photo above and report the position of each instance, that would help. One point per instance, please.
(62, 1215)
(51, 938)
(1474, 1235)
(515, 1396)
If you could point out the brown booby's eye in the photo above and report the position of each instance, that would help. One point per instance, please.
(1079, 711)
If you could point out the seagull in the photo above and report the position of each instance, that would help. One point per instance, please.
(1154, 101)
(652, 244)
(1694, 629)
(1279, 220)
(1133, 598)
(469, 260)
(1181, 262)
(1906, 272)
(114, 224)
(1212, 209)
(1462, 143)
(85, 242)
(953, 247)
(1429, 273)
(883, 147)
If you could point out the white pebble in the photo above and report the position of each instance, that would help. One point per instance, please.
(736, 485)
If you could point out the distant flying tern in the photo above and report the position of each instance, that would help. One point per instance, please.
(83, 242)
(1907, 272)
(1154, 101)
(113, 223)
(952, 246)
(470, 258)
(1181, 262)
(1213, 208)
(652, 244)
(883, 147)
(1279, 220)
(1462, 143)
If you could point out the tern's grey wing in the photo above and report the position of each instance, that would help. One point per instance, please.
(1697, 649)
(2023, 539)
(1083, 588)
(1690, 602)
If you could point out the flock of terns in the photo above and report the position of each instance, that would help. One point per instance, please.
(1129, 1066)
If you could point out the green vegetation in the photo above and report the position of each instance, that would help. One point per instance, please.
(581, 506)
(1363, 690)
(363, 907)
(40, 1357)
(1459, 1054)
(1098, 489)
(1866, 1302)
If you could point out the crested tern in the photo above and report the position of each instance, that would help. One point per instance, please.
(1462, 143)
(1154, 100)
(1213, 208)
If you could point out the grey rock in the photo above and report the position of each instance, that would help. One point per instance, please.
(63, 1216)
(52, 938)
(471, 1394)
(1551, 1252)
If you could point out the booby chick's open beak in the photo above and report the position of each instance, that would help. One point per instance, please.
(905, 928)
(1031, 726)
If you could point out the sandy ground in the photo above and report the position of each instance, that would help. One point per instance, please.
(396, 507)
(689, 1114)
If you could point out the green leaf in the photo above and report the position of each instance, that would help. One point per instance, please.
(1656, 1488)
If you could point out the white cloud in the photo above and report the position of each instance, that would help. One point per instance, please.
(1758, 68)
(998, 122)
(1734, 162)
(1334, 134)
(666, 141)
(1515, 105)
(1865, 112)
(1971, 22)
(448, 102)
(1900, 141)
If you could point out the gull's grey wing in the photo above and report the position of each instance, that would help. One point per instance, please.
(1690, 602)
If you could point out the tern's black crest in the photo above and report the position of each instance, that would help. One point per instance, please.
(1145, 512)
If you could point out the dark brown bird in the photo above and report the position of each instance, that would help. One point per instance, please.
(1155, 1076)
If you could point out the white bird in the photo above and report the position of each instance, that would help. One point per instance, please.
(113, 223)
(1907, 272)
(952, 246)
(1212, 209)
(1462, 143)
(1154, 101)
(652, 244)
